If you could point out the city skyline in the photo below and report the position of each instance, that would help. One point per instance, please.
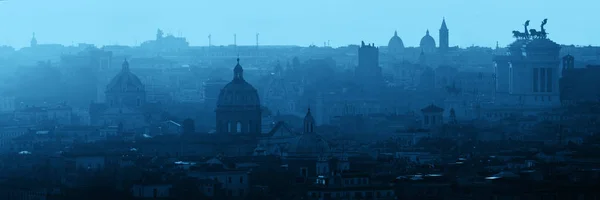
(296, 23)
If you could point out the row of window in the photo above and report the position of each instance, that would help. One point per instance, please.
(238, 127)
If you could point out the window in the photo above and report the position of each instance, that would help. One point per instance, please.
(241, 192)
(229, 179)
(238, 128)
(542, 80)
(303, 172)
(549, 78)
(249, 125)
(155, 193)
(139, 102)
(426, 119)
(241, 179)
(229, 127)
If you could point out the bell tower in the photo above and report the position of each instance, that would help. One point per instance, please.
(444, 45)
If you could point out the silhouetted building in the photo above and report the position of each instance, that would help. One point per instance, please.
(534, 65)
(309, 144)
(368, 72)
(395, 46)
(125, 102)
(427, 43)
(444, 37)
(579, 85)
(33, 42)
(432, 116)
(238, 108)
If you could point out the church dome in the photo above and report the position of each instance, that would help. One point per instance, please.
(309, 144)
(125, 81)
(238, 92)
(395, 45)
(427, 43)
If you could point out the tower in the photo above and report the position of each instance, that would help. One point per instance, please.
(568, 63)
(33, 41)
(444, 36)
(309, 123)
(159, 34)
(368, 71)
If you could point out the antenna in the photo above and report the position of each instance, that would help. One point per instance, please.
(234, 40)
(209, 40)
(257, 40)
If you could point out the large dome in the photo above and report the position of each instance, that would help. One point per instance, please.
(427, 43)
(395, 45)
(238, 92)
(125, 81)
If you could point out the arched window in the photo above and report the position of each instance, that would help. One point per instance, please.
(139, 102)
(238, 127)
(249, 125)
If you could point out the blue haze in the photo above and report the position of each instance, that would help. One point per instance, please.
(125, 22)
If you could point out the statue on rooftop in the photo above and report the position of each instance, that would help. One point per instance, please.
(543, 30)
(522, 35)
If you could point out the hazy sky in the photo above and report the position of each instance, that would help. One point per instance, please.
(300, 22)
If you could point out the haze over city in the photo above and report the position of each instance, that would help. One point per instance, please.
(471, 22)
(299, 100)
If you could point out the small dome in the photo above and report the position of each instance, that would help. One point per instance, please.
(125, 81)
(309, 144)
(427, 43)
(238, 92)
(395, 45)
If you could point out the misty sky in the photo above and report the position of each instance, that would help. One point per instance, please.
(299, 22)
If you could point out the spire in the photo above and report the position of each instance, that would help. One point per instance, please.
(238, 72)
(309, 122)
(395, 33)
(444, 27)
(427, 33)
(125, 66)
(33, 40)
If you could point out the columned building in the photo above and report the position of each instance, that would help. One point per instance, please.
(531, 70)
